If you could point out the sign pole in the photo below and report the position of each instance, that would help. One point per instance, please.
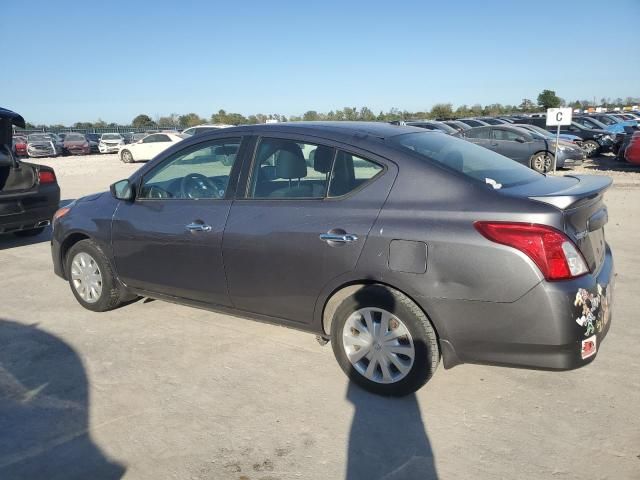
(555, 154)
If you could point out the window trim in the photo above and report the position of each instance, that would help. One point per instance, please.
(195, 146)
(318, 141)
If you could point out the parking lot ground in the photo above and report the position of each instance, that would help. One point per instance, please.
(157, 390)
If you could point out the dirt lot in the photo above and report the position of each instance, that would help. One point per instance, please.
(163, 391)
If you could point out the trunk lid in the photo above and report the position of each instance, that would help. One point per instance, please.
(580, 198)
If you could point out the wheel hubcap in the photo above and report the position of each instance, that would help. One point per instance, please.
(378, 345)
(86, 277)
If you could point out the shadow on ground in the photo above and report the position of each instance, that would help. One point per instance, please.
(44, 410)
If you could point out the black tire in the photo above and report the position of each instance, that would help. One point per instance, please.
(113, 294)
(542, 162)
(425, 340)
(29, 233)
(126, 156)
(591, 147)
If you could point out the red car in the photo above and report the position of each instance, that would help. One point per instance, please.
(77, 144)
(632, 153)
(20, 146)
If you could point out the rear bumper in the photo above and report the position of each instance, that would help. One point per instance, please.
(29, 219)
(555, 326)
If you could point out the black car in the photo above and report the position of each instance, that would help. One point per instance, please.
(397, 244)
(525, 146)
(29, 193)
(594, 141)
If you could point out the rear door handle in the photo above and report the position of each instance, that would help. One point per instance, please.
(198, 227)
(338, 237)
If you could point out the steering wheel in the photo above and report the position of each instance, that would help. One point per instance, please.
(196, 185)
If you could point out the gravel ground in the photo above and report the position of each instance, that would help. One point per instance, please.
(162, 391)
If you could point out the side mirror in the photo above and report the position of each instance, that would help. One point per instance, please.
(122, 190)
(520, 139)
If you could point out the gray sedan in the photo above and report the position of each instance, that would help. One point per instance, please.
(525, 146)
(399, 245)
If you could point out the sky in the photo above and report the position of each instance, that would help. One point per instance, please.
(75, 61)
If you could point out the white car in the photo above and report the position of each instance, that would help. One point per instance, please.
(148, 147)
(110, 142)
(202, 128)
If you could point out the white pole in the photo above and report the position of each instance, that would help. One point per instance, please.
(555, 155)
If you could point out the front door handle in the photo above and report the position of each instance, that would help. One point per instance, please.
(198, 227)
(338, 237)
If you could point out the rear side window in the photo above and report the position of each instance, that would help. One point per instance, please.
(500, 134)
(471, 160)
(478, 133)
(290, 169)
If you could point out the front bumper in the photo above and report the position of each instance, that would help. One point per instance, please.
(547, 328)
(108, 148)
(570, 158)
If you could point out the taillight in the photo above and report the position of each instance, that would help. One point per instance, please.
(46, 177)
(551, 250)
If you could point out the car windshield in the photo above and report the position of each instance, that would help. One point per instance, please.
(473, 161)
(74, 137)
(39, 137)
(111, 136)
(607, 120)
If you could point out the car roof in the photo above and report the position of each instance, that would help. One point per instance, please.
(333, 129)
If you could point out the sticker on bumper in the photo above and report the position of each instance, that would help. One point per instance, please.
(593, 309)
(589, 347)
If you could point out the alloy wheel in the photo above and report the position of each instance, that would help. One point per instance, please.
(378, 345)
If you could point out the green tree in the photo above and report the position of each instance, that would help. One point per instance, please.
(441, 111)
(310, 116)
(476, 109)
(190, 120)
(83, 125)
(549, 99)
(526, 105)
(142, 120)
(366, 114)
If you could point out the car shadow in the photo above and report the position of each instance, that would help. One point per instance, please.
(609, 163)
(388, 439)
(9, 240)
(44, 410)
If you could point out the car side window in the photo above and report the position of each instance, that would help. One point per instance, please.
(350, 172)
(198, 172)
(500, 134)
(478, 133)
(162, 138)
(290, 169)
(149, 139)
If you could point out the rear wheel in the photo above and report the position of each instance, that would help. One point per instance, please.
(91, 278)
(126, 156)
(591, 147)
(384, 342)
(542, 162)
(29, 233)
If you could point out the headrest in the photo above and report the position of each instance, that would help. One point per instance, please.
(290, 162)
(226, 150)
(321, 158)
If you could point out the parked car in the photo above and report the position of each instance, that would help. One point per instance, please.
(77, 144)
(136, 137)
(433, 125)
(593, 141)
(524, 146)
(492, 120)
(110, 142)
(44, 145)
(29, 193)
(632, 151)
(590, 121)
(148, 147)
(20, 146)
(458, 125)
(203, 128)
(62, 136)
(572, 139)
(93, 138)
(429, 246)
(472, 122)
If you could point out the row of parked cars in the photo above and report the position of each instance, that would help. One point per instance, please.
(528, 140)
(72, 143)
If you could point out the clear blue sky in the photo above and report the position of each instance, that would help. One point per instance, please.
(79, 61)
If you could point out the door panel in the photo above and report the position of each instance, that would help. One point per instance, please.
(275, 260)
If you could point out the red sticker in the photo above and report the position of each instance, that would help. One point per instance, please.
(589, 347)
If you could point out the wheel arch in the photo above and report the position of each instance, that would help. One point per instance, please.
(66, 245)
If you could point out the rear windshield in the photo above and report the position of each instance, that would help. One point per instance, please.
(111, 136)
(42, 137)
(471, 160)
(74, 137)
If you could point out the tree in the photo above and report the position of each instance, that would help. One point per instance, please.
(310, 116)
(168, 121)
(549, 99)
(190, 120)
(142, 120)
(83, 125)
(366, 114)
(441, 111)
(526, 105)
(100, 123)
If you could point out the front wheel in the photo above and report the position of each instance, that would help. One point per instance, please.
(126, 156)
(91, 278)
(591, 147)
(384, 342)
(542, 162)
